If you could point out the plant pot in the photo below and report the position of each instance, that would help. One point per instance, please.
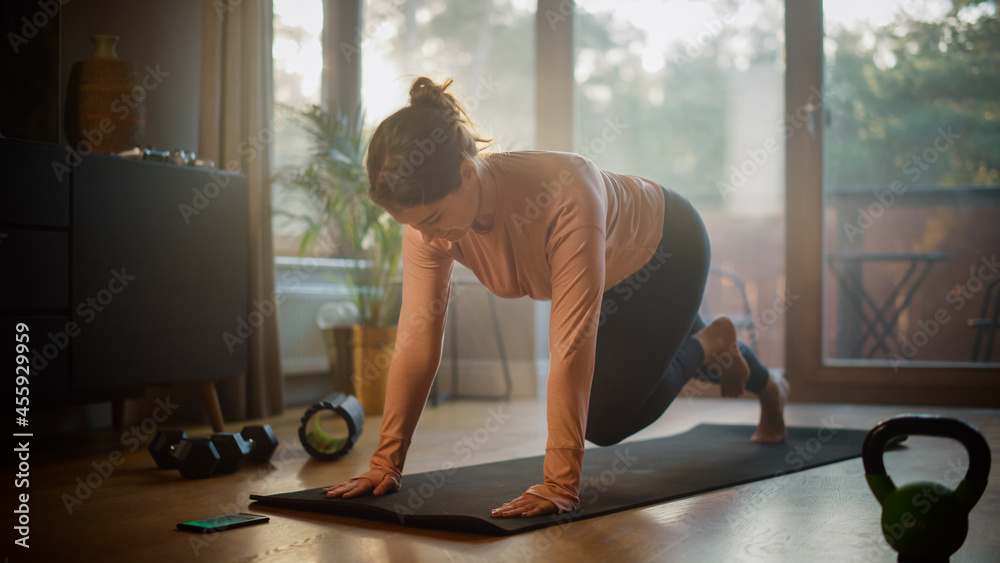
(340, 355)
(372, 356)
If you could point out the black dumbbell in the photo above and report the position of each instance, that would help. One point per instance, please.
(224, 452)
(233, 450)
(197, 458)
(254, 443)
(161, 448)
(263, 441)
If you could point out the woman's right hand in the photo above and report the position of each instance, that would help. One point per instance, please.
(363, 485)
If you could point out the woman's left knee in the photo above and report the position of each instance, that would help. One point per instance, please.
(605, 437)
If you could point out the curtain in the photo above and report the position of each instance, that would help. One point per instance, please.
(235, 129)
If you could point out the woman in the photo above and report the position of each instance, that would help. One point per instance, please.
(623, 260)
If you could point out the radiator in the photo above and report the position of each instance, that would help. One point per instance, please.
(302, 286)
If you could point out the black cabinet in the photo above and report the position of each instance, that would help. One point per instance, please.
(35, 269)
(34, 185)
(128, 273)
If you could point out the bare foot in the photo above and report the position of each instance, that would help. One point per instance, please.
(771, 429)
(722, 354)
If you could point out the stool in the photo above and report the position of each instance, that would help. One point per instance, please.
(743, 320)
(987, 324)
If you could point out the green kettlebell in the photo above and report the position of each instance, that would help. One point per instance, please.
(925, 521)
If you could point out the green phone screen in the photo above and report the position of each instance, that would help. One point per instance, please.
(219, 523)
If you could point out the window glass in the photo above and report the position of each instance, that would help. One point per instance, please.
(691, 95)
(911, 177)
(485, 46)
(297, 50)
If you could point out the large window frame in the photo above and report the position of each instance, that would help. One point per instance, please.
(813, 378)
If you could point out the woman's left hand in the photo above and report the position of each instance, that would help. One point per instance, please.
(525, 506)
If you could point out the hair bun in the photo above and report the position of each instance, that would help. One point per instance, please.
(424, 92)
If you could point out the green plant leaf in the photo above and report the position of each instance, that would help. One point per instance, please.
(332, 184)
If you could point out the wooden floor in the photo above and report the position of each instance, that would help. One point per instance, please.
(824, 514)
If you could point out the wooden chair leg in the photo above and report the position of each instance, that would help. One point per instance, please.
(210, 396)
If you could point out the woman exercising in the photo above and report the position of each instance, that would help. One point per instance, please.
(623, 260)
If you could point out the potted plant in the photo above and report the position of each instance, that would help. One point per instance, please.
(340, 221)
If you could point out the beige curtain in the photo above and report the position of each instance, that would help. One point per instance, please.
(235, 130)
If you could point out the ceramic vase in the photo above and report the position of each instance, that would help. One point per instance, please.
(105, 103)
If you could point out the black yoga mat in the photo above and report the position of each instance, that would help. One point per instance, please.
(615, 478)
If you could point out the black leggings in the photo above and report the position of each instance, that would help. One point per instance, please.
(645, 352)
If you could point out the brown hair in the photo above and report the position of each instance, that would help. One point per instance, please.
(415, 154)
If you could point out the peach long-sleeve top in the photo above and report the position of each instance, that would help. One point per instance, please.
(563, 231)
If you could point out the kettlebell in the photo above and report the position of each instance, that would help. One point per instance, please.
(925, 521)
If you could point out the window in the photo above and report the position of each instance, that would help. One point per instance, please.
(486, 46)
(911, 179)
(298, 68)
(896, 178)
(691, 95)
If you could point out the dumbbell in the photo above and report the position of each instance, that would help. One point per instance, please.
(196, 458)
(162, 446)
(224, 452)
(262, 440)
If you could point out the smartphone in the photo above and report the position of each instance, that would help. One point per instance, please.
(220, 523)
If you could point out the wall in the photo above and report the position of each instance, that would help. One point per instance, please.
(157, 34)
